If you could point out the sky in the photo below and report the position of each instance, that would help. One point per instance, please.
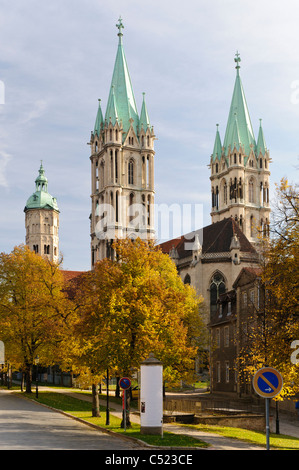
(57, 59)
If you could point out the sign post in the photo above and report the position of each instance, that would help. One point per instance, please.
(267, 383)
(125, 384)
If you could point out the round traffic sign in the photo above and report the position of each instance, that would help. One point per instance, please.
(125, 383)
(267, 382)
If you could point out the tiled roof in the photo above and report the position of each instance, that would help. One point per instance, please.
(247, 275)
(215, 238)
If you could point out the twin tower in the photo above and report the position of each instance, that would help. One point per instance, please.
(122, 173)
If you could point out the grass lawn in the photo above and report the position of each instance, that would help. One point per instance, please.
(277, 441)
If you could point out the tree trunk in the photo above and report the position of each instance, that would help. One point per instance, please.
(28, 372)
(117, 390)
(95, 401)
(127, 405)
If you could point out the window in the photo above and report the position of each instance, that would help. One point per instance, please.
(252, 297)
(148, 210)
(217, 287)
(187, 279)
(227, 372)
(131, 172)
(225, 193)
(226, 337)
(229, 308)
(46, 249)
(218, 372)
(220, 310)
(131, 202)
(117, 207)
(251, 191)
(245, 299)
(116, 166)
(35, 248)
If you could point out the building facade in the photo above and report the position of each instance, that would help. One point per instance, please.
(122, 166)
(42, 220)
(240, 170)
(211, 259)
(223, 352)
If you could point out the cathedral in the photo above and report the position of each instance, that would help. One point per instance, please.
(122, 155)
(122, 166)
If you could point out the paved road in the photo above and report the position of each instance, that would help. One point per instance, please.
(25, 425)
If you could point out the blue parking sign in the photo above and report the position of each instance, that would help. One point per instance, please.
(267, 382)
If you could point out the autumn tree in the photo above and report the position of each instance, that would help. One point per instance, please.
(274, 324)
(138, 305)
(33, 309)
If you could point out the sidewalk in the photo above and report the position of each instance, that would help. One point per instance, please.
(216, 441)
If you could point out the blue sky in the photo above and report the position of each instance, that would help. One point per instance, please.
(57, 58)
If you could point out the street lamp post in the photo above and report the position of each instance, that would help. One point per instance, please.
(36, 363)
(107, 402)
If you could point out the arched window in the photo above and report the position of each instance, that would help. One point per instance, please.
(117, 206)
(101, 175)
(217, 287)
(131, 172)
(148, 210)
(131, 202)
(187, 279)
(116, 166)
(251, 191)
(225, 193)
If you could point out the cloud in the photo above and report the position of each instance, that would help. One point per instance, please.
(36, 110)
(4, 159)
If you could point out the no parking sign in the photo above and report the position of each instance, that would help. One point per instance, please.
(267, 382)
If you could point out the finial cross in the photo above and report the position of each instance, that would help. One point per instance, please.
(237, 60)
(120, 26)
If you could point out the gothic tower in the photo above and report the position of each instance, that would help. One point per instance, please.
(240, 170)
(122, 166)
(42, 220)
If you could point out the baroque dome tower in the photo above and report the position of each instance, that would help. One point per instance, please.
(42, 220)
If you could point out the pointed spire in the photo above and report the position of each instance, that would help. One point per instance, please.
(144, 119)
(261, 143)
(111, 113)
(99, 120)
(217, 152)
(121, 99)
(239, 112)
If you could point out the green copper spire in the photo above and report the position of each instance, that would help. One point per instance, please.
(217, 152)
(121, 101)
(144, 119)
(99, 120)
(261, 143)
(239, 125)
(41, 199)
